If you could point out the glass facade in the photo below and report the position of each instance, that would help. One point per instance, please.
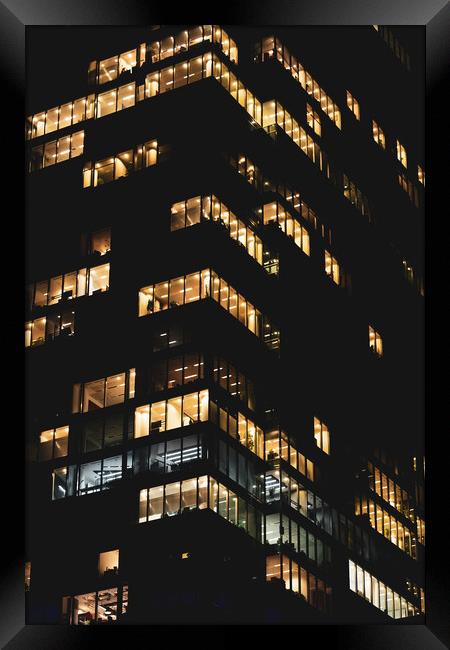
(101, 393)
(199, 286)
(120, 165)
(271, 48)
(56, 151)
(275, 213)
(209, 208)
(83, 282)
(378, 594)
(243, 429)
(301, 581)
(200, 493)
(49, 328)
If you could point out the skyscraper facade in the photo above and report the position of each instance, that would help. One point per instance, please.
(224, 326)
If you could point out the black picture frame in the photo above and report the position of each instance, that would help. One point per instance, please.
(16, 17)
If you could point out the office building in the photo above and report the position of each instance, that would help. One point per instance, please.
(224, 326)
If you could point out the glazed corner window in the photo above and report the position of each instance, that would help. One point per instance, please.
(421, 175)
(98, 394)
(322, 435)
(53, 443)
(332, 268)
(378, 135)
(401, 154)
(100, 242)
(108, 563)
(353, 105)
(375, 342)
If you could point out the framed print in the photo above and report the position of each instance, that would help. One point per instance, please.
(226, 388)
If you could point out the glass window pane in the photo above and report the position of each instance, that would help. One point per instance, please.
(46, 445)
(113, 429)
(103, 171)
(192, 287)
(63, 149)
(157, 458)
(106, 103)
(127, 61)
(158, 417)
(70, 286)
(99, 279)
(191, 369)
(178, 215)
(93, 435)
(161, 300)
(203, 492)
(176, 292)
(175, 372)
(79, 110)
(193, 211)
(156, 503)
(115, 389)
(189, 494)
(49, 153)
(173, 413)
(143, 502)
(90, 477)
(51, 122)
(172, 499)
(100, 241)
(190, 409)
(55, 290)
(112, 469)
(126, 96)
(223, 501)
(61, 441)
(94, 395)
(107, 70)
(76, 144)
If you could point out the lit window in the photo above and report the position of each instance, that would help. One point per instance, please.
(27, 576)
(322, 435)
(107, 70)
(401, 154)
(56, 151)
(274, 212)
(313, 119)
(106, 606)
(100, 242)
(108, 563)
(421, 175)
(101, 393)
(98, 279)
(49, 328)
(353, 105)
(375, 342)
(332, 268)
(171, 414)
(53, 443)
(378, 135)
